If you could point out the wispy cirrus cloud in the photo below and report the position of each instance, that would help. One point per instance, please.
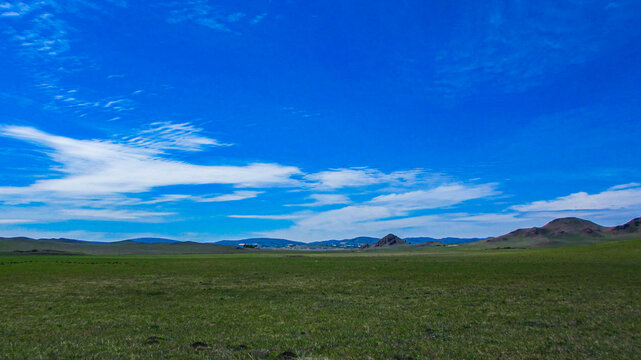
(58, 212)
(199, 11)
(15, 221)
(94, 179)
(258, 18)
(300, 112)
(325, 199)
(271, 217)
(626, 196)
(109, 214)
(14, 9)
(441, 196)
(210, 15)
(363, 176)
(234, 196)
(40, 35)
(173, 136)
(45, 37)
(514, 46)
(90, 167)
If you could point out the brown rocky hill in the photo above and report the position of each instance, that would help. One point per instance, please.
(631, 227)
(386, 241)
(570, 228)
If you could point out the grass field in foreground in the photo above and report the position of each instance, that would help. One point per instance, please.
(582, 302)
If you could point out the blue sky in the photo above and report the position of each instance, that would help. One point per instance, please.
(208, 120)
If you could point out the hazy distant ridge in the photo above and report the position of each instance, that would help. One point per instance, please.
(559, 232)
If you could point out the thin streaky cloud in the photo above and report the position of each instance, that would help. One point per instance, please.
(324, 199)
(173, 136)
(107, 167)
(385, 211)
(268, 217)
(15, 221)
(495, 44)
(363, 176)
(112, 215)
(618, 197)
(258, 18)
(444, 195)
(235, 196)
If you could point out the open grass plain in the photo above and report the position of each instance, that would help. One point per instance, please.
(420, 303)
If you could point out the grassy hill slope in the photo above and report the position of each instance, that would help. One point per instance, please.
(564, 232)
(18, 245)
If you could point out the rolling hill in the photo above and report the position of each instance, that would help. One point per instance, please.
(127, 247)
(566, 231)
(261, 242)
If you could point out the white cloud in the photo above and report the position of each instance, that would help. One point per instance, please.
(15, 221)
(269, 217)
(70, 210)
(494, 42)
(235, 17)
(384, 213)
(357, 224)
(47, 36)
(203, 13)
(258, 18)
(119, 105)
(110, 215)
(624, 186)
(325, 199)
(444, 195)
(43, 39)
(346, 217)
(339, 178)
(352, 177)
(172, 136)
(618, 197)
(15, 9)
(490, 218)
(168, 198)
(18, 231)
(91, 167)
(235, 196)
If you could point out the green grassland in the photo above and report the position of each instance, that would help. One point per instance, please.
(569, 303)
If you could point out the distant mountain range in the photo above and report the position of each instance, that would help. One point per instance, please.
(290, 244)
(151, 240)
(352, 243)
(559, 232)
(260, 242)
(447, 240)
(22, 245)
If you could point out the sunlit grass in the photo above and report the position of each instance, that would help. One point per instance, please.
(554, 303)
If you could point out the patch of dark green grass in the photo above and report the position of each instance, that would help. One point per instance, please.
(510, 304)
